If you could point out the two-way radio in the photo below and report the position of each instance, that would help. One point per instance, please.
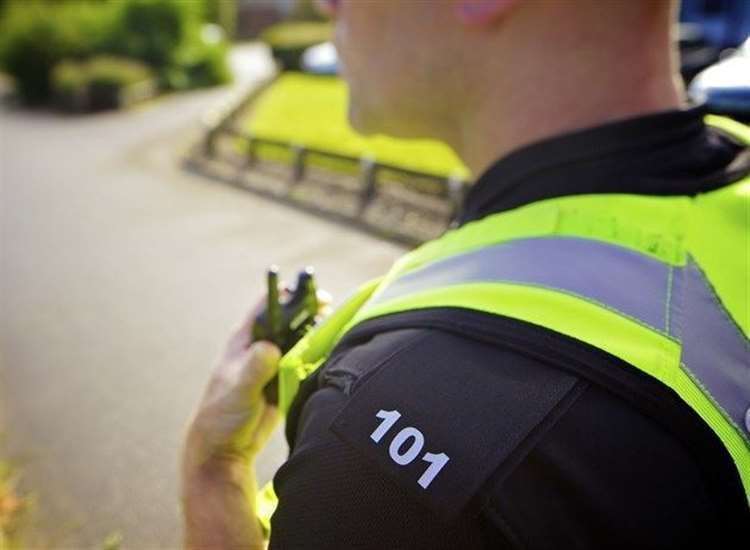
(285, 322)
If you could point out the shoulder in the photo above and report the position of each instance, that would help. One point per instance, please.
(331, 496)
(436, 412)
(452, 425)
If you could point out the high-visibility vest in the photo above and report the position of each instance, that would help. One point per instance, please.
(659, 282)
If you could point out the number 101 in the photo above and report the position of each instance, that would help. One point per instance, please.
(406, 445)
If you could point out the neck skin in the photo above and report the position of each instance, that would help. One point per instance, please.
(580, 73)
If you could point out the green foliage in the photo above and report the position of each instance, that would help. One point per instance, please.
(312, 111)
(288, 41)
(98, 83)
(199, 64)
(36, 36)
(69, 82)
(113, 71)
(222, 13)
(68, 76)
(297, 33)
(152, 30)
(164, 34)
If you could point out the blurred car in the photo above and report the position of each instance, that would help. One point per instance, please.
(321, 59)
(725, 86)
(696, 50)
(707, 28)
(723, 23)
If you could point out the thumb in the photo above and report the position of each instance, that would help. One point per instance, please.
(261, 365)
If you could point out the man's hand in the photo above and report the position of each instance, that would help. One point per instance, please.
(230, 426)
(233, 419)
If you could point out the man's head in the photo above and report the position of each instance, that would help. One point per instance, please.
(423, 68)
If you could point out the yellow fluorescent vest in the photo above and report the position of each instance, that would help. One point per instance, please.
(659, 282)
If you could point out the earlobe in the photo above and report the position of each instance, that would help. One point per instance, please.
(482, 12)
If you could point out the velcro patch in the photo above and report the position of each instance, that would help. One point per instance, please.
(443, 414)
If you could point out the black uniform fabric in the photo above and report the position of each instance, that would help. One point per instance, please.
(551, 443)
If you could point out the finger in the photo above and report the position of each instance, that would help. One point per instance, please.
(261, 365)
(262, 430)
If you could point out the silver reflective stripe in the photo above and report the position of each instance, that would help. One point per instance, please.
(678, 302)
(715, 352)
(632, 283)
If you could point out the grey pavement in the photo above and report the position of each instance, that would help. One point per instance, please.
(120, 277)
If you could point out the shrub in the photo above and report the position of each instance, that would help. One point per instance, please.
(199, 64)
(164, 34)
(102, 83)
(152, 30)
(167, 35)
(288, 41)
(69, 85)
(37, 36)
(109, 77)
(223, 13)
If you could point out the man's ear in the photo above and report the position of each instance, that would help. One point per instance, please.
(483, 12)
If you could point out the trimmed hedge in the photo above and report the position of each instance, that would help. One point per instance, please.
(69, 85)
(288, 41)
(101, 83)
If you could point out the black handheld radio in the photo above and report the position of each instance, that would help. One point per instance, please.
(285, 322)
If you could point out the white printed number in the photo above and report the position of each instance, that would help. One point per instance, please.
(406, 445)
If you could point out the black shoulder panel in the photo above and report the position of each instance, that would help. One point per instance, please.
(442, 414)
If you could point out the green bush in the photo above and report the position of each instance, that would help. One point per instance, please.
(69, 85)
(100, 83)
(297, 33)
(288, 41)
(199, 64)
(152, 30)
(37, 36)
(109, 70)
(164, 34)
(68, 77)
(108, 79)
(222, 13)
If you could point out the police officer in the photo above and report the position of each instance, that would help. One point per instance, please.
(568, 368)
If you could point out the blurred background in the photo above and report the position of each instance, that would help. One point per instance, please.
(155, 157)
